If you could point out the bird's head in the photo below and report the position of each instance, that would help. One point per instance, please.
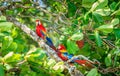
(38, 22)
(62, 48)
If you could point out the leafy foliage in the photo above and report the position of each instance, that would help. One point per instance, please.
(97, 22)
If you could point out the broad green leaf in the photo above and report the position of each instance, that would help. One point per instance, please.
(99, 4)
(108, 28)
(87, 3)
(108, 60)
(5, 26)
(115, 21)
(13, 46)
(97, 17)
(20, 47)
(72, 47)
(6, 42)
(117, 12)
(2, 72)
(117, 33)
(77, 36)
(8, 55)
(92, 72)
(103, 12)
(11, 57)
(98, 39)
(35, 55)
(113, 6)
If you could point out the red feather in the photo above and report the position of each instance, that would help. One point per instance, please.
(62, 56)
(80, 43)
(85, 63)
(61, 47)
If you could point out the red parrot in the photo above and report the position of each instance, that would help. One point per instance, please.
(63, 54)
(42, 33)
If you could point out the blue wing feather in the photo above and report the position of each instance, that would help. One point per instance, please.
(49, 41)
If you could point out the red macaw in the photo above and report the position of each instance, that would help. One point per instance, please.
(42, 33)
(63, 54)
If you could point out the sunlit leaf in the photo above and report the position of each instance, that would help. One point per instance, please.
(117, 12)
(5, 26)
(97, 17)
(87, 3)
(103, 12)
(108, 60)
(11, 57)
(99, 4)
(108, 28)
(115, 21)
(77, 36)
(6, 42)
(93, 72)
(98, 39)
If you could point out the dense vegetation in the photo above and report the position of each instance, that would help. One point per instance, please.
(96, 22)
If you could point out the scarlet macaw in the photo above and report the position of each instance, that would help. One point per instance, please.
(42, 33)
(63, 54)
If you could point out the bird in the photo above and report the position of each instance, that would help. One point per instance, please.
(65, 56)
(42, 33)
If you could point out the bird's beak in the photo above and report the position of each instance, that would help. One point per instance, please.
(38, 22)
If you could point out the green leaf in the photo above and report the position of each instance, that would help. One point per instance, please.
(103, 12)
(35, 55)
(106, 28)
(99, 4)
(92, 72)
(72, 47)
(117, 33)
(87, 3)
(113, 6)
(98, 39)
(77, 36)
(115, 21)
(2, 73)
(71, 9)
(13, 46)
(108, 60)
(117, 12)
(6, 42)
(97, 17)
(5, 26)
(11, 57)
